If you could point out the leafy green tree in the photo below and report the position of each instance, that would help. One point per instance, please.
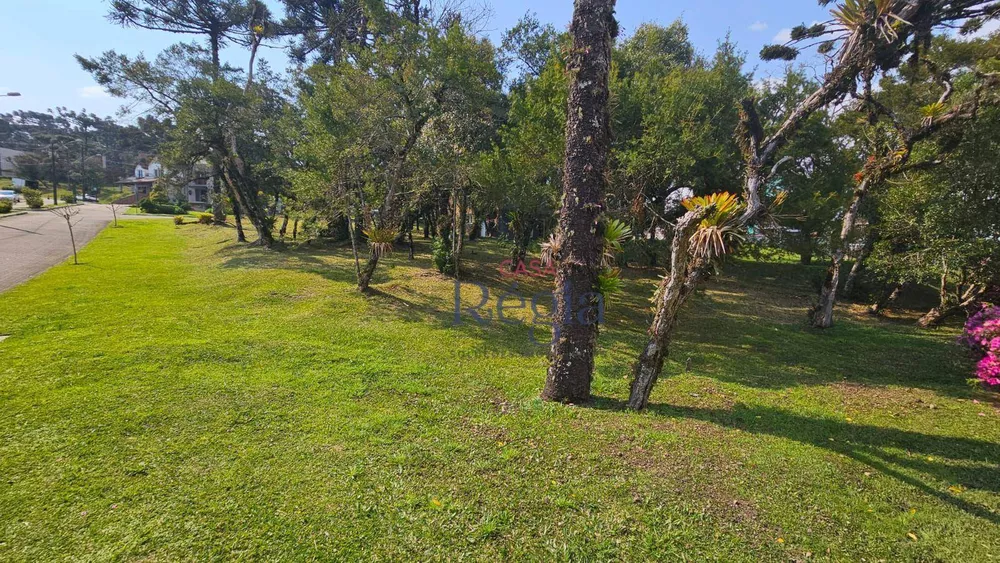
(860, 41)
(191, 78)
(378, 111)
(939, 226)
(816, 178)
(913, 122)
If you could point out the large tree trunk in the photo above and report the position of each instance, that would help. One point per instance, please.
(588, 139)
(673, 291)
(822, 315)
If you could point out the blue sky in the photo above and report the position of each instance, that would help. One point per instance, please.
(41, 36)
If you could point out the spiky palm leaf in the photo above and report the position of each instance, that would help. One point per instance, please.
(616, 232)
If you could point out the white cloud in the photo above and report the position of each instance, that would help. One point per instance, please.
(92, 92)
(783, 36)
(758, 26)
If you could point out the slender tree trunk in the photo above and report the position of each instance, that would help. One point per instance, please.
(218, 202)
(238, 218)
(295, 230)
(673, 291)
(72, 239)
(365, 276)
(284, 227)
(822, 316)
(354, 244)
(235, 171)
(806, 258)
(588, 139)
(859, 265)
(474, 227)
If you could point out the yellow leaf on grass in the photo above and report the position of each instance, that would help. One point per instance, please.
(912, 536)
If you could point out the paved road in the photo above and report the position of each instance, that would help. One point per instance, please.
(32, 243)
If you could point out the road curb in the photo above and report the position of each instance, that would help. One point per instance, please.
(13, 214)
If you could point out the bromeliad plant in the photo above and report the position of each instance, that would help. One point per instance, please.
(721, 229)
(380, 240)
(982, 335)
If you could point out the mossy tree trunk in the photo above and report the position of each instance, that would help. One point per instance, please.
(588, 141)
(673, 291)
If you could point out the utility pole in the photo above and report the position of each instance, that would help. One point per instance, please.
(52, 178)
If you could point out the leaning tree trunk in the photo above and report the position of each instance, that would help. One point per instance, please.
(950, 305)
(673, 291)
(890, 293)
(365, 278)
(284, 227)
(238, 219)
(235, 172)
(822, 316)
(588, 140)
(859, 265)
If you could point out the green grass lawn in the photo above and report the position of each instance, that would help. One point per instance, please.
(180, 397)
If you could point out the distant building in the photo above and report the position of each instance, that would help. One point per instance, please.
(8, 162)
(193, 188)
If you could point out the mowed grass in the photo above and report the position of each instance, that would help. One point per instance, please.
(180, 397)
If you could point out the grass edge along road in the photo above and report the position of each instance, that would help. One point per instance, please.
(177, 396)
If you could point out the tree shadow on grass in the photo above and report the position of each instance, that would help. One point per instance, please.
(909, 457)
(753, 333)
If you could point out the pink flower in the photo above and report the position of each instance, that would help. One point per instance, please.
(988, 369)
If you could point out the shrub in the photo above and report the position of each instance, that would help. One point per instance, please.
(33, 198)
(205, 218)
(441, 254)
(6, 206)
(179, 220)
(69, 199)
(982, 335)
(150, 206)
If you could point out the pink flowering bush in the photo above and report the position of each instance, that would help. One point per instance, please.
(982, 334)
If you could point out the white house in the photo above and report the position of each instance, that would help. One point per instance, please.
(196, 191)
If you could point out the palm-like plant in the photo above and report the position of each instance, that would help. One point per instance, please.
(380, 240)
(719, 231)
(609, 282)
(616, 232)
